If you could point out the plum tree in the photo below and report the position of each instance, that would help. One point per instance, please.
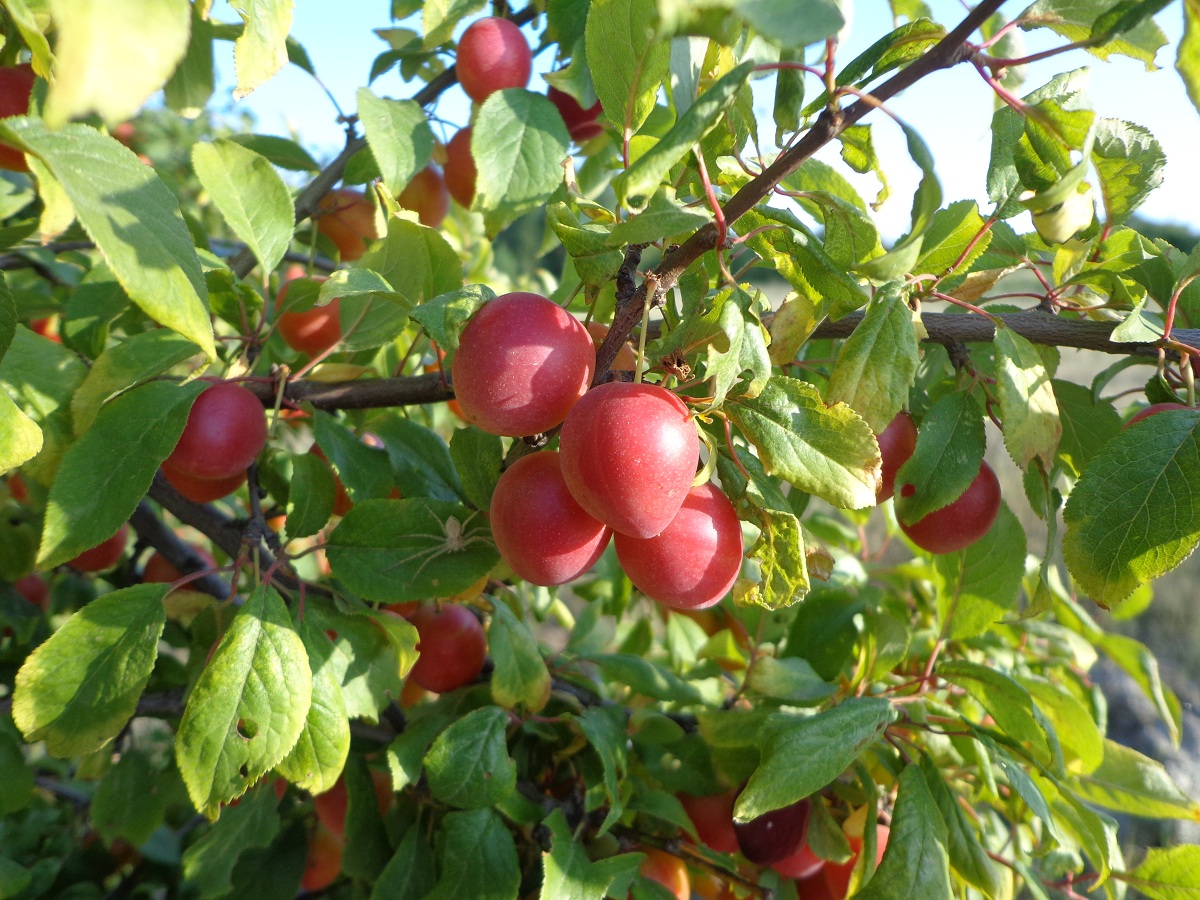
(158, 570)
(838, 875)
(713, 817)
(582, 124)
(668, 870)
(460, 172)
(311, 331)
(16, 86)
(775, 835)
(225, 431)
(522, 363)
(104, 555)
(347, 218)
(629, 454)
(896, 445)
(1153, 410)
(427, 196)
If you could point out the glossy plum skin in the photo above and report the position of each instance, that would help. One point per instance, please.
(460, 169)
(1154, 410)
(963, 522)
(203, 490)
(311, 331)
(774, 836)
(347, 218)
(16, 85)
(713, 818)
(542, 533)
(452, 645)
(629, 455)
(896, 445)
(582, 124)
(694, 562)
(225, 431)
(493, 55)
(522, 363)
(104, 555)
(427, 196)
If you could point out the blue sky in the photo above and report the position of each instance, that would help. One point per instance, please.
(951, 109)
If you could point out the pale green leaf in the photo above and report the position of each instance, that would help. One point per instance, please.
(399, 136)
(416, 261)
(1129, 165)
(112, 55)
(32, 32)
(662, 218)
(190, 87)
(251, 196)
(1187, 56)
(520, 676)
(1075, 21)
(955, 239)
(628, 60)
(20, 437)
(261, 50)
(443, 317)
(78, 689)
(135, 432)
(827, 451)
(1003, 697)
(1028, 407)
(1128, 782)
(802, 754)
(133, 218)
(1077, 731)
(1118, 536)
(877, 364)
(1168, 873)
(248, 707)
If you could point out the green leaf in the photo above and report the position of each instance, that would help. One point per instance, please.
(399, 136)
(78, 689)
(1075, 20)
(112, 55)
(248, 707)
(955, 239)
(646, 676)
(364, 470)
(279, 151)
(477, 457)
(410, 874)
(371, 314)
(642, 178)
(1087, 422)
(520, 676)
(1117, 537)
(208, 864)
(132, 216)
(1003, 697)
(311, 495)
(878, 362)
(1027, 403)
(978, 586)
(319, 756)
(568, 873)
(125, 364)
(788, 25)
(421, 463)
(827, 451)
(901, 257)
(440, 17)
(250, 195)
(824, 630)
(850, 235)
(88, 503)
(396, 550)
(916, 863)
(518, 140)
(190, 86)
(32, 33)
(950, 444)
(262, 49)
(628, 60)
(967, 854)
(445, 316)
(367, 847)
(1129, 165)
(468, 766)
(416, 261)
(1131, 783)
(588, 244)
(129, 802)
(20, 437)
(604, 728)
(16, 790)
(1187, 55)
(369, 658)
(8, 317)
(801, 755)
(662, 217)
(1141, 665)
(1082, 742)
(1169, 873)
(480, 837)
(791, 680)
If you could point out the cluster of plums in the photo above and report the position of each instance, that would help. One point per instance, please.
(625, 468)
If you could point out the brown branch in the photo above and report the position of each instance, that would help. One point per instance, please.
(151, 529)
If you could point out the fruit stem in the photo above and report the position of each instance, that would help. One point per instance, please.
(641, 355)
